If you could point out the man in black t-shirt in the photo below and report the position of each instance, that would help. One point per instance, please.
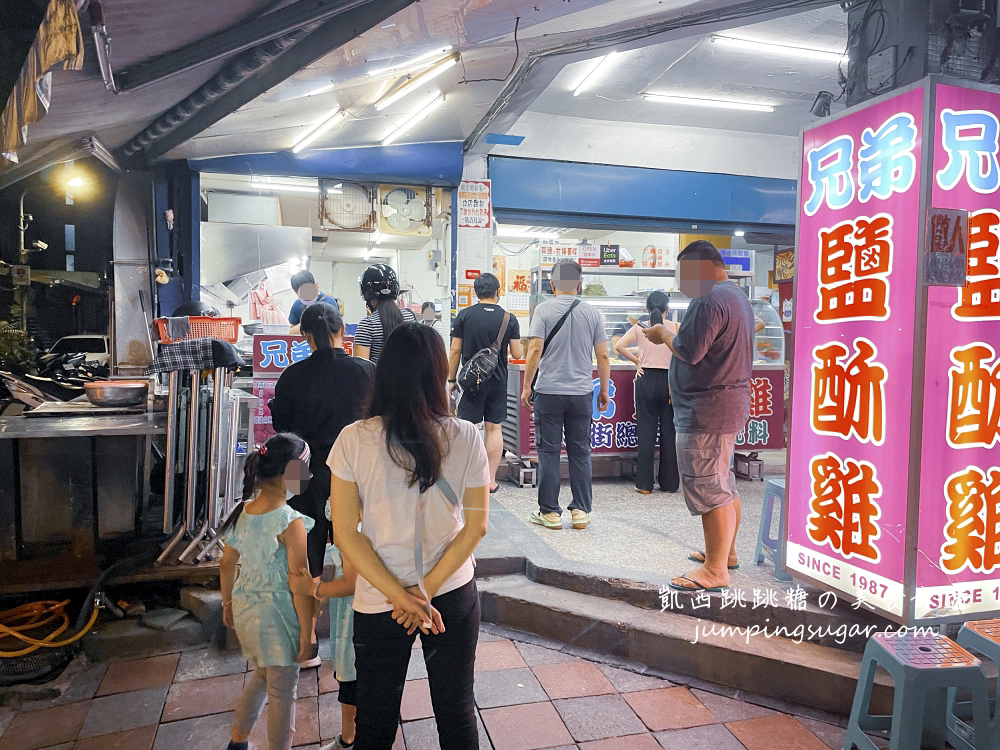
(476, 328)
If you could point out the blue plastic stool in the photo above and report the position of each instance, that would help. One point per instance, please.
(926, 670)
(768, 546)
(982, 636)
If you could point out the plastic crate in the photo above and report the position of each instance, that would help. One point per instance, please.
(226, 329)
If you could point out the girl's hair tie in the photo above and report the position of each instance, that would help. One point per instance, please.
(262, 450)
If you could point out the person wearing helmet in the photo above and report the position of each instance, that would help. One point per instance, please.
(380, 288)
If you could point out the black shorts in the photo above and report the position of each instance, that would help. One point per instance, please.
(489, 405)
(318, 537)
(348, 693)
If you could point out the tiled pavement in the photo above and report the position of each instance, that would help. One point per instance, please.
(529, 697)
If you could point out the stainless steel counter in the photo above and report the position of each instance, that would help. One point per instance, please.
(23, 428)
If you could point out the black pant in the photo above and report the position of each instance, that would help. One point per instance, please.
(382, 653)
(655, 414)
(554, 416)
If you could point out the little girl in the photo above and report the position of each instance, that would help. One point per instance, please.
(341, 594)
(264, 540)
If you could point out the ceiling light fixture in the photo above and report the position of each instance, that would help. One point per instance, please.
(780, 49)
(604, 63)
(322, 89)
(75, 182)
(425, 107)
(417, 82)
(331, 119)
(409, 63)
(738, 233)
(698, 102)
(262, 185)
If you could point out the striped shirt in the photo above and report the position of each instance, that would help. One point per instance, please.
(369, 333)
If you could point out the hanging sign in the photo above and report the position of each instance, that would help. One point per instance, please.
(474, 211)
(553, 251)
(518, 290)
(609, 255)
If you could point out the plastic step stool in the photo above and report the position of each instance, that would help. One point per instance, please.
(767, 546)
(982, 636)
(926, 670)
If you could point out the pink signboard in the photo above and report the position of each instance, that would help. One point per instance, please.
(855, 301)
(958, 564)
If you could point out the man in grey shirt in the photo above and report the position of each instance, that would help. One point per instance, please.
(710, 390)
(564, 393)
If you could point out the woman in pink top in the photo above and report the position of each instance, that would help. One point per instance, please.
(653, 410)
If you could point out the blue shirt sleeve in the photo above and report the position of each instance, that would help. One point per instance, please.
(295, 315)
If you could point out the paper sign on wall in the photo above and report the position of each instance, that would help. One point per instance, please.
(518, 291)
(474, 211)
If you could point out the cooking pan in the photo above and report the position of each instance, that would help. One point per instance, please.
(117, 392)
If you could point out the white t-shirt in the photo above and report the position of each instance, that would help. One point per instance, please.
(389, 504)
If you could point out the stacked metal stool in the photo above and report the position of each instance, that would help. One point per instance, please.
(927, 671)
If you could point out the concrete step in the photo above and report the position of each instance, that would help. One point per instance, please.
(805, 673)
(840, 626)
(129, 639)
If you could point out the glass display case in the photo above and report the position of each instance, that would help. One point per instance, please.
(769, 344)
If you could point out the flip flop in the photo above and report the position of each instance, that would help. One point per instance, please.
(697, 586)
(495, 490)
(692, 558)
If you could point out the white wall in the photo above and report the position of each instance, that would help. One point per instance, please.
(657, 146)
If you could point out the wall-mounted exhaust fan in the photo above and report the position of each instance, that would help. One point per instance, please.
(404, 210)
(346, 206)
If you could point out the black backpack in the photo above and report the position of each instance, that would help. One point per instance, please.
(482, 364)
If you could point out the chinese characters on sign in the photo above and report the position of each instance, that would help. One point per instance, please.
(856, 273)
(474, 210)
(765, 429)
(518, 291)
(958, 570)
(855, 263)
(946, 240)
(843, 506)
(553, 251)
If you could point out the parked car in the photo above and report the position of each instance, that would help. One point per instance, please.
(97, 348)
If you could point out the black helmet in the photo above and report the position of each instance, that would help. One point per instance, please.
(196, 308)
(379, 282)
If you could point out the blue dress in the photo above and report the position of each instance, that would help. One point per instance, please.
(341, 621)
(263, 611)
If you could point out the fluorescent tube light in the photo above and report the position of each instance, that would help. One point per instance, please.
(322, 89)
(780, 49)
(738, 233)
(604, 63)
(698, 102)
(425, 107)
(260, 185)
(420, 80)
(409, 63)
(323, 126)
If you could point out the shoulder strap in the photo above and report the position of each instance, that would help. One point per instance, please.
(558, 325)
(548, 339)
(418, 535)
(499, 341)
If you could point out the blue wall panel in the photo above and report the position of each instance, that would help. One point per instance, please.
(567, 189)
(438, 164)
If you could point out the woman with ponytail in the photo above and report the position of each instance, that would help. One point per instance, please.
(380, 288)
(264, 539)
(653, 411)
(316, 398)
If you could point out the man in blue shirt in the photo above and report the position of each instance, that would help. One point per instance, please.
(304, 285)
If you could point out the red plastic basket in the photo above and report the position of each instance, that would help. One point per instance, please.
(226, 329)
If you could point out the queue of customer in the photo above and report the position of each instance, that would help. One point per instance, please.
(393, 489)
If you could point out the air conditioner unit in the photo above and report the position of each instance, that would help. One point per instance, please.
(404, 210)
(346, 206)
